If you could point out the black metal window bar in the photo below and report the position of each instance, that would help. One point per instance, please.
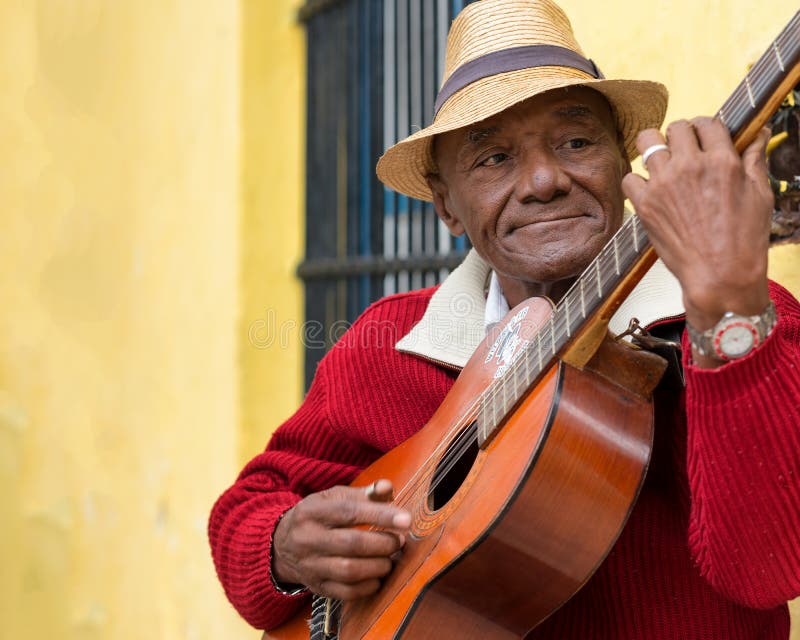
(373, 72)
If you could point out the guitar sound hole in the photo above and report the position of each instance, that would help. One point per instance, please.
(453, 468)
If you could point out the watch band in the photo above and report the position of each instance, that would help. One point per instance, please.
(708, 342)
(287, 589)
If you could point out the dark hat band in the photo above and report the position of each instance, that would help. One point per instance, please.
(537, 55)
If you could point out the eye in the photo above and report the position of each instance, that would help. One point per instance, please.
(578, 143)
(493, 160)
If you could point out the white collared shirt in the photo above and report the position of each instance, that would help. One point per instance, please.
(496, 304)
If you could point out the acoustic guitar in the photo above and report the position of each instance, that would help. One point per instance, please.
(549, 419)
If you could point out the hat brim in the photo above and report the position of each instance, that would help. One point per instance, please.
(636, 105)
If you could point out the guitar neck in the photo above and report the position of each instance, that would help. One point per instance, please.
(764, 86)
(626, 259)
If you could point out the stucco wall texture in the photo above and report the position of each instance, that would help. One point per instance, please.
(122, 284)
(151, 216)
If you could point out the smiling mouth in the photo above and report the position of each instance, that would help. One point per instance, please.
(551, 220)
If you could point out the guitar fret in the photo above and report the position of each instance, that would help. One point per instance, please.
(616, 253)
(527, 369)
(583, 301)
(778, 56)
(566, 312)
(553, 332)
(539, 349)
(635, 234)
(599, 281)
(749, 91)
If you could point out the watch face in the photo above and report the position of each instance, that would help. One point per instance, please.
(735, 340)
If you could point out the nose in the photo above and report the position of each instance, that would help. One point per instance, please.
(541, 178)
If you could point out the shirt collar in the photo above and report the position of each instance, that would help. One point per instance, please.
(496, 303)
(455, 322)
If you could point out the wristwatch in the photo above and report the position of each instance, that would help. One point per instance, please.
(734, 336)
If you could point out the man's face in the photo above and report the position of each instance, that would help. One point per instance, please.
(537, 188)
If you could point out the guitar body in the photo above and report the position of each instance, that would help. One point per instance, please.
(517, 526)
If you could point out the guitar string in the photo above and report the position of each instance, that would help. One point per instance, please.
(759, 81)
(759, 73)
(465, 439)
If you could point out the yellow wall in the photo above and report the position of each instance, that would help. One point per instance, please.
(273, 217)
(151, 194)
(119, 262)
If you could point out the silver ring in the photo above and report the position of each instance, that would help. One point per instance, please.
(651, 150)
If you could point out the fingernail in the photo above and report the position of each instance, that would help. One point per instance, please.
(402, 519)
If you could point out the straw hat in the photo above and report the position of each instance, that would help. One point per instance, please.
(499, 53)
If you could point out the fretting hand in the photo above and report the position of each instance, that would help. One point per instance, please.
(707, 212)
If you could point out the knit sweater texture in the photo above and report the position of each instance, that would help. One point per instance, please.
(711, 549)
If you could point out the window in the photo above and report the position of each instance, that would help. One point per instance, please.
(374, 68)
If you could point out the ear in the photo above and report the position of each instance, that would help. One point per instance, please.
(441, 204)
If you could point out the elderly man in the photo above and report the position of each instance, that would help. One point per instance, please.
(529, 156)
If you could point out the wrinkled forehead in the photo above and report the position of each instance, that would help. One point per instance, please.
(573, 104)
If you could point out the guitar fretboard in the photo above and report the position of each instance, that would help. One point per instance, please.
(763, 78)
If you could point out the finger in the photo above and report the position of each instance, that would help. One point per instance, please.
(754, 157)
(360, 544)
(346, 592)
(352, 570)
(380, 491)
(383, 491)
(682, 138)
(646, 140)
(349, 507)
(712, 134)
(633, 186)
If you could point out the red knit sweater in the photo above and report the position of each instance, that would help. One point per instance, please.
(711, 550)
